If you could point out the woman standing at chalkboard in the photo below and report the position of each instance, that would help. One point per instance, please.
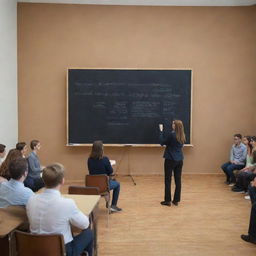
(173, 163)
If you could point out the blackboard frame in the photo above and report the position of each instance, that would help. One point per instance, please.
(123, 145)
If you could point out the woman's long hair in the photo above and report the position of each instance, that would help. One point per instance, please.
(97, 150)
(253, 138)
(249, 145)
(254, 157)
(179, 131)
(12, 155)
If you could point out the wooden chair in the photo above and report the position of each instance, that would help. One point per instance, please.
(102, 183)
(41, 245)
(81, 190)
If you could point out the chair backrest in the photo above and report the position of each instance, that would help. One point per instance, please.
(81, 190)
(99, 181)
(40, 245)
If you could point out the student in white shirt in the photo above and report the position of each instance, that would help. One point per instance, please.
(50, 213)
(13, 192)
(2, 153)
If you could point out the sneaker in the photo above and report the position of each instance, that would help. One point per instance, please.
(227, 182)
(247, 197)
(114, 208)
(249, 239)
(232, 184)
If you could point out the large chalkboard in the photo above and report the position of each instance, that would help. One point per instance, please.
(121, 106)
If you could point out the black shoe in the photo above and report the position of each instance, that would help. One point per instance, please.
(236, 189)
(249, 239)
(175, 203)
(227, 182)
(165, 203)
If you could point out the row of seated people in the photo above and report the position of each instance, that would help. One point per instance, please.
(33, 179)
(97, 164)
(243, 161)
(49, 212)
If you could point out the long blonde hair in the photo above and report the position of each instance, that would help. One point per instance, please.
(179, 131)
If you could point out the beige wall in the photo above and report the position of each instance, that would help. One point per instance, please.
(8, 73)
(218, 43)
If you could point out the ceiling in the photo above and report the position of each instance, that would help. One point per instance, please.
(152, 2)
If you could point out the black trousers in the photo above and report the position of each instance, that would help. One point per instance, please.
(171, 166)
(252, 193)
(243, 180)
(252, 226)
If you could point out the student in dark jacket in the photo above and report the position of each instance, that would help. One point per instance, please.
(99, 164)
(173, 163)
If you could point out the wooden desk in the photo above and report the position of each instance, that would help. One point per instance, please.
(11, 218)
(85, 203)
(88, 204)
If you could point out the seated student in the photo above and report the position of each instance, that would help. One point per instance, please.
(241, 184)
(2, 153)
(34, 180)
(237, 159)
(50, 213)
(4, 168)
(13, 192)
(99, 164)
(246, 176)
(23, 148)
(251, 237)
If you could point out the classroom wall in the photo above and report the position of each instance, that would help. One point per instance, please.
(218, 43)
(8, 73)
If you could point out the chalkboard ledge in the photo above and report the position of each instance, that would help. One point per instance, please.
(120, 145)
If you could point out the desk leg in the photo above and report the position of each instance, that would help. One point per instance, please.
(5, 246)
(95, 228)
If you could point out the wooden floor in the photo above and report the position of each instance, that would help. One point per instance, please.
(208, 221)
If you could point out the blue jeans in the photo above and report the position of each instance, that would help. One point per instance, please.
(81, 242)
(229, 168)
(113, 184)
